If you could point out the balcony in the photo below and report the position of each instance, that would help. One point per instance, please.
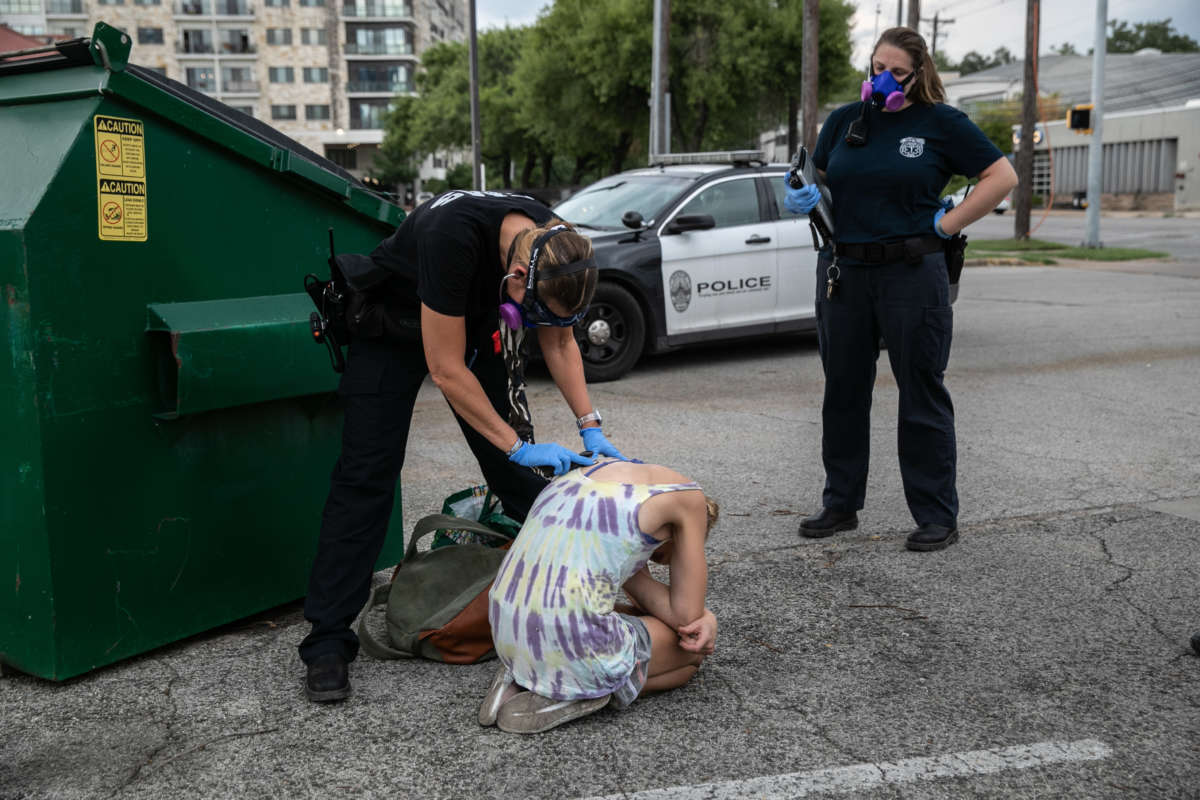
(193, 47)
(379, 87)
(237, 48)
(377, 48)
(379, 10)
(239, 87)
(64, 8)
(220, 8)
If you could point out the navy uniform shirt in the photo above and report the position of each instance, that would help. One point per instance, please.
(889, 188)
(447, 253)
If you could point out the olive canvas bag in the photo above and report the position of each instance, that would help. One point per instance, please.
(437, 603)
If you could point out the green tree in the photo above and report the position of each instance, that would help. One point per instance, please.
(1064, 49)
(1160, 34)
(584, 80)
(396, 161)
(973, 62)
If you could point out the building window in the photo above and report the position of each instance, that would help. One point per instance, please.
(281, 74)
(235, 40)
(150, 36)
(368, 114)
(111, 2)
(344, 157)
(202, 79)
(312, 3)
(316, 74)
(278, 3)
(316, 112)
(52, 7)
(312, 36)
(371, 41)
(21, 7)
(197, 41)
(283, 112)
(391, 78)
(238, 79)
(66, 32)
(279, 35)
(147, 2)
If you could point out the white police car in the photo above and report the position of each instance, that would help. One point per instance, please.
(696, 249)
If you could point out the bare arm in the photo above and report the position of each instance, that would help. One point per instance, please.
(682, 602)
(445, 339)
(561, 352)
(997, 180)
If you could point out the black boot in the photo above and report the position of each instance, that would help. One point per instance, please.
(328, 678)
(931, 537)
(827, 523)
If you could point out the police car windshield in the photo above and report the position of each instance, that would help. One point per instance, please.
(602, 204)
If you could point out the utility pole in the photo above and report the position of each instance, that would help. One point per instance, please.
(660, 108)
(476, 158)
(808, 90)
(1028, 123)
(899, 13)
(1095, 184)
(914, 14)
(933, 43)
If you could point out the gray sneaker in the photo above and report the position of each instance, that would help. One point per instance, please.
(495, 696)
(532, 713)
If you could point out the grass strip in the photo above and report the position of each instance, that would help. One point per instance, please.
(1013, 245)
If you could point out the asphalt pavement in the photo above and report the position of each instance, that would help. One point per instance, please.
(1044, 655)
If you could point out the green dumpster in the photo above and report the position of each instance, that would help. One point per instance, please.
(167, 427)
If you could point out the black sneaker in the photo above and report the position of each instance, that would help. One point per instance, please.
(931, 537)
(827, 523)
(328, 679)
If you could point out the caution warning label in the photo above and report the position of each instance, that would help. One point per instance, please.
(121, 178)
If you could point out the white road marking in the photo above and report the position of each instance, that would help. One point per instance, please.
(858, 777)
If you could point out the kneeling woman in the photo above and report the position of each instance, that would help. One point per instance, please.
(565, 650)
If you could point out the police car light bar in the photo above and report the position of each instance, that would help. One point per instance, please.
(716, 157)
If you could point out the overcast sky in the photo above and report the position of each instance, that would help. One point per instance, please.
(981, 25)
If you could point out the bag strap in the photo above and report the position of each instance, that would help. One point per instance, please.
(445, 522)
(366, 639)
(379, 597)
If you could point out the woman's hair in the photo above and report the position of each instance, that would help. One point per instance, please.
(926, 86)
(573, 292)
(712, 511)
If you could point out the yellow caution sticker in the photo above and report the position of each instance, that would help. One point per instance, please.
(121, 178)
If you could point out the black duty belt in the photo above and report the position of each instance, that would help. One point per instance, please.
(890, 252)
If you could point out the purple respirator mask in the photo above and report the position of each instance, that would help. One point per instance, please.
(884, 91)
(532, 312)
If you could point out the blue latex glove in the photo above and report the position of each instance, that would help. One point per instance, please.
(937, 222)
(802, 200)
(548, 454)
(594, 440)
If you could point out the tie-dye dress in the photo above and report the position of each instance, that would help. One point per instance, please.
(551, 606)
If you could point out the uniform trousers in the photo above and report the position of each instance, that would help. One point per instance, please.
(379, 389)
(908, 305)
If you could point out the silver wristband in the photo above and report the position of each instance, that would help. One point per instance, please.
(512, 451)
(594, 416)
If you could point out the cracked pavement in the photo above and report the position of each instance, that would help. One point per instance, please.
(1063, 614)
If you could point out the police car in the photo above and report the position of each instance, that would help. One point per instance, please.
(697, 248)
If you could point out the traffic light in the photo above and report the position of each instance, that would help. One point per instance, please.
(1079, 118)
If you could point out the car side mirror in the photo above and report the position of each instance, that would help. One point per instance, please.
(632, 219)
(691, 222)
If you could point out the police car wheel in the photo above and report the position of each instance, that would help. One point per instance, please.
(611, 335)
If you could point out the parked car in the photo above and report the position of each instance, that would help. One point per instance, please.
(691, 252)
(1004, 205)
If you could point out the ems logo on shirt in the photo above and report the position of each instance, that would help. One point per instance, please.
(681, 290)
(912, 147)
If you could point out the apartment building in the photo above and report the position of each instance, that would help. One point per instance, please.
(321, 71)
